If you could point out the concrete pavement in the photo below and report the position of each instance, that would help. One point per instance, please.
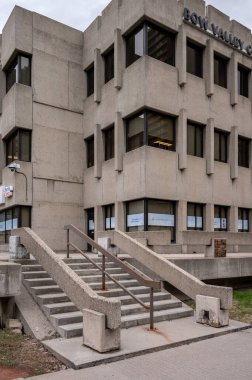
(226, 357)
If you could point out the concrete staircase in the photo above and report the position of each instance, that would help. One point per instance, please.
(65, 316)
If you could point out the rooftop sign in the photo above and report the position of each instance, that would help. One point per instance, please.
(216, 31)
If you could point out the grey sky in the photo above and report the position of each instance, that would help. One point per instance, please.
(80, 13)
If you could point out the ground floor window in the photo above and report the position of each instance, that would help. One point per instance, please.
(243, 220)
(109, 217)
(13, 218)
(220, 218)
(194, 216)
(151, 215)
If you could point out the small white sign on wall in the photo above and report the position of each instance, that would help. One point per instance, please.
(2, 197)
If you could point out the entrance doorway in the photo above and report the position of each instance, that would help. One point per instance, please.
(90, 225)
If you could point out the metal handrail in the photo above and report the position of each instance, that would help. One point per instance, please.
(137, 274)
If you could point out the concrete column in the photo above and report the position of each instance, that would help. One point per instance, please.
(182, 140)
(181, 56)
(209, 68)
(98, 151)
(98, 69)
(119, 142)
(209, 217)
(120, 216)
(2, 87)
(233, 219)
(209, 146)
(233, 153)
(233, 79)
(98, 220)
(118, 58)
(181, 224)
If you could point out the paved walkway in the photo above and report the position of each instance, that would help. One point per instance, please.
(227, 357)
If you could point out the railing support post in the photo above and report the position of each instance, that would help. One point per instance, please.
(103, 273)
(68, 243)
(151, 310)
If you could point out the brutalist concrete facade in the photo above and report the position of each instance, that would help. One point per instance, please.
(55, 107)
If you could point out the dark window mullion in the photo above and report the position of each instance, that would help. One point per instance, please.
(146, 215)
(145, 128)
(145, 38)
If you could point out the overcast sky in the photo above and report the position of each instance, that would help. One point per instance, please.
(80, 13)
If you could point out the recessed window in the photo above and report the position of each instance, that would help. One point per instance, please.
(243, 220)
(13, 218)
(18, 146)
(220, 146)
(194, 59)
(90, 80)
(243, 81)
(109, 143)
(90, 151)
(220, 70)
(195, 133)
(151, 215)
(243, 152)
(151, 128)
(194, 216)
(149, 39)
(109, 65)
(220, 218)
(19, 72)
(109, 217)
(90, 220)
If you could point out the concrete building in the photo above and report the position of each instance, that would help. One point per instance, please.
(140, 123)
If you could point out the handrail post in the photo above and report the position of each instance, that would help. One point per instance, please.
(68, 243)
(151, 310)
(103, 273)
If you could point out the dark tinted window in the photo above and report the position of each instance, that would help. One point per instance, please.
(151, 40)
(19, 72)
(18, 146)
(194, 216)
(195, 139)
(243, 80)
(109, 217)
(13, 218)
(220, 218)
(243, 152)
(243, 220)
(90, 81)
(109, 141)
(90, 151)
(220, 146)
(109, 65)
(194, 59)
(220, 71)
(153, 129)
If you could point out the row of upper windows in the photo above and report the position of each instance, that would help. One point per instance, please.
(151, 214)
(151, 40)
(159, 131)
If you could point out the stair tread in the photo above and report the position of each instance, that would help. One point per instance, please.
(38, 272)
(156, 304)
(138, 316)
(58, 304)
(70, 314)
(72, 326)
(144, 295)
(51, 295)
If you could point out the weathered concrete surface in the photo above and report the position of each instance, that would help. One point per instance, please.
(10, 279)
(208, 312)
(170, 272)
(76, 289)
(138, 341)
(210, 268)
(17, 251)
(33, 320)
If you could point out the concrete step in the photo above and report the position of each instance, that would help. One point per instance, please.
(85, 261)
(118, 292)
(52, 298)
(87, 265)
(66, 318)
(59, 308)
(39, 281)
(32, 268)
(126, 300)
(94, 272)
(71, 330)
(112, 285)
(98, 278)
(159, 316)
(36, 274)
(45, 289)
(158, 305)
